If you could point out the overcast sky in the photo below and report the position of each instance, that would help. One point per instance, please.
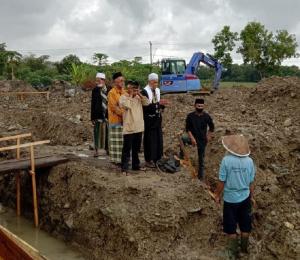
(122, 29)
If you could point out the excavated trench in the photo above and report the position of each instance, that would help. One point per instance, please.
(160, 216)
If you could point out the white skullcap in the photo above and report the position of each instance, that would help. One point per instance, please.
(153, 76)
(100, 75)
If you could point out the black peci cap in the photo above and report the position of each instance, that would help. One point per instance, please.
(199, 101)
(116, 75)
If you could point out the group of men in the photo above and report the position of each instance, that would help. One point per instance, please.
(122, 117)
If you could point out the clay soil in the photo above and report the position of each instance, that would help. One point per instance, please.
(154, 215)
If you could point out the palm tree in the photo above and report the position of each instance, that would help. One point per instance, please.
(12, 59)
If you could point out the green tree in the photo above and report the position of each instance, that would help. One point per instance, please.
(3, 58)
(65, 65)
(224, 43)
(36, 63)
(100, 59)
(264, 50)
(284, 46)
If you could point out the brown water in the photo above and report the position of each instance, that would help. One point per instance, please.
(51, 248)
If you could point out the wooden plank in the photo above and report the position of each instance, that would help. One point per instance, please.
(23, 145)
(24, 164)
(13, 247)
(13, 137)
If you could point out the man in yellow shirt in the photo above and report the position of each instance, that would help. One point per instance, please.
(115, 113)
(133, 125)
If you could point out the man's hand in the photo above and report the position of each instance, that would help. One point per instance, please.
(217, 198)
(209, 136)
(93, 122)
(194, 142)
(139, 94)
(253, 202)
(164, 102)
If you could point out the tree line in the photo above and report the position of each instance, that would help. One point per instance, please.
(260, 48)
(262, 51)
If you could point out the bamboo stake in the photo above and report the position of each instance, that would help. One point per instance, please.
(34, 194)
(18, 181)
(23, 145)
(7, 138)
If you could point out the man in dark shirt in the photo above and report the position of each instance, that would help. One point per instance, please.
(197, 123)
(99, 114)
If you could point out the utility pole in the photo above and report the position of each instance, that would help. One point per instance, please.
(150, 54)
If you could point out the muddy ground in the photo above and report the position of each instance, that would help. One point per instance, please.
(163, 216)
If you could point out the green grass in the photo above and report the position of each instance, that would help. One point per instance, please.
(237, 84)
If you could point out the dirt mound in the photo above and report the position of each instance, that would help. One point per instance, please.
(144, 216)
(60, 86)
(269, 115)
(15, 85)
(160, 216)
(275, 89)
(65, 121)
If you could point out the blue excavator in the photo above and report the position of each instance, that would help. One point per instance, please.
(177, 77)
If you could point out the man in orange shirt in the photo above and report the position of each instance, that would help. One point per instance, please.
(115, 118)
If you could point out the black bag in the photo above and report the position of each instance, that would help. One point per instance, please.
(169, 165)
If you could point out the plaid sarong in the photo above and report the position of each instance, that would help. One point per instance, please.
(115, 143)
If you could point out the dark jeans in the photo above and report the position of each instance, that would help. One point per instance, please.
(131, 143)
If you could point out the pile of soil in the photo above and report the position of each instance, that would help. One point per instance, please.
(65, 121)
(15, 85)
(269, 115)
(160, 216)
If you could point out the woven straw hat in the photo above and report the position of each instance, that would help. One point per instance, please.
(236, 145)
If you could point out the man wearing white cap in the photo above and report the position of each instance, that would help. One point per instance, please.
(99, 114)
(153, 137)
(236, 179)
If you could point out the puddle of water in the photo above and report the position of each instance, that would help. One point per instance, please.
(51, 248)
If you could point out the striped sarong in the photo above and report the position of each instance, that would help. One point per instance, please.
(115, 143)
(99, 134)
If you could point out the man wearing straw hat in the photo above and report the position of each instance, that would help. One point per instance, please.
(236, 179)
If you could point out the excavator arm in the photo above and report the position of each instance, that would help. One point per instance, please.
(209, 61)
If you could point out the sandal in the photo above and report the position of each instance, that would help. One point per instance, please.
(140, 169)
(150, 165)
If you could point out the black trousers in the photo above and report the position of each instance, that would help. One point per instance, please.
(201, 155)
(131, 143)
(237, 213)
(153, 144)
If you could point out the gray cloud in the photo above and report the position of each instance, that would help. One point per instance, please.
(122, 28)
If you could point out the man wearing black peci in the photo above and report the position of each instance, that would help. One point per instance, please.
(197, 123)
